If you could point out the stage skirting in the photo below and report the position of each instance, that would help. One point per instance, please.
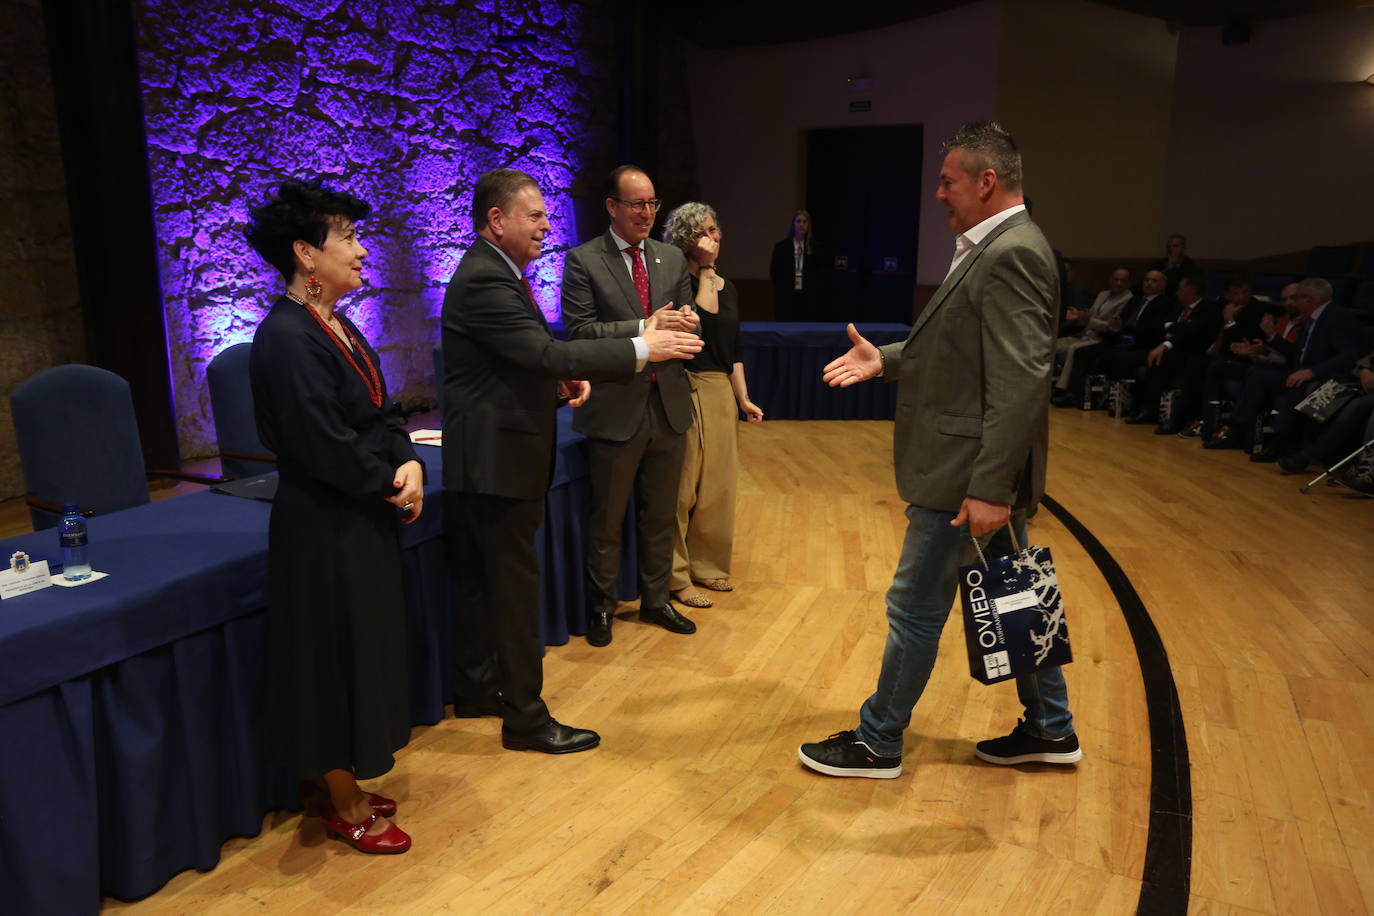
(783, 363)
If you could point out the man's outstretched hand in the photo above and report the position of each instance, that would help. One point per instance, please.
(860, 364)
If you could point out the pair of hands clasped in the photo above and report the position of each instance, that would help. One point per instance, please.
(667, 333)
(863, 362)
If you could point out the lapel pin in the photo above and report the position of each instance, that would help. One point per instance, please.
(657, 261)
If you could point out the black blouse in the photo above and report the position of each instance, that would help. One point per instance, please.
(719, 333)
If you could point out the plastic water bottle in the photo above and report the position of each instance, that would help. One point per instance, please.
(71, 532)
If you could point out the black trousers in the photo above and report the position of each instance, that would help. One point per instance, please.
(650, 464)
(497, 644)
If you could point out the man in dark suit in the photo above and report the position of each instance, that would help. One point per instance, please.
(1179, 358)
(616, 286)
(970, 442)
(503, 373)
(1328, 344)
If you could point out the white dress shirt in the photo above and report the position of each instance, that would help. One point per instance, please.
(966, 241)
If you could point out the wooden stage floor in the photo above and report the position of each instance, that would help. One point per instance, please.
(695, 802)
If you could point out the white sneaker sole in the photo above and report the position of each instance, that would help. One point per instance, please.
(863, 772)
(1070, 757)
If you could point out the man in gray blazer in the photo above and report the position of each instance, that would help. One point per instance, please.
(620, 285)
(969, 446)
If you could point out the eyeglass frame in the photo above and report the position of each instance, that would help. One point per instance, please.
(653, 204)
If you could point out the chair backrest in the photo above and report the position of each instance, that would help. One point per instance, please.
(78, 440)
(231, 398)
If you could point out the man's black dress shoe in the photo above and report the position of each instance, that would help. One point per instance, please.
(667, 617)
(552, 737)
(1167, 429)
(599, 626)
(477, 707)
(1142, 417)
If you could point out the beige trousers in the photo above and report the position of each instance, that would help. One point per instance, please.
(706, 494)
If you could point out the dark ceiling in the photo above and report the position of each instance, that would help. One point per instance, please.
(749, 23)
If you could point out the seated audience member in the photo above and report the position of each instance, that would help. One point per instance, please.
(1274, 345)
(1136, 331)
(1343, 433)
(1240, 315)
(1087, 327)
(1187, 337)
(1175, 264)
(1328, 342)
(1358, 475)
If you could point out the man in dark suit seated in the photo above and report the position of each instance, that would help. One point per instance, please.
(614, 286)
(1187, 336)
(503, 374)
(1328, 343)
(1241, 313)
(1135, 333)
(1269, 343)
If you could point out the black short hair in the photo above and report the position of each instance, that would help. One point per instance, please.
(496, 188)
(300, 210)
(1238, 281)
(613, 179)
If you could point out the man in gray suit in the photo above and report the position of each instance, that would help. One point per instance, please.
(969, 446)
(620, 285)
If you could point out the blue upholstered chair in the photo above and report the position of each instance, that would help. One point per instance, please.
(78, 442)
(241, 452)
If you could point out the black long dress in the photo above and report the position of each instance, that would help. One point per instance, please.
(337, 680)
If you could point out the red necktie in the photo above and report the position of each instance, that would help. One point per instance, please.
(640, 276)
(525, 282)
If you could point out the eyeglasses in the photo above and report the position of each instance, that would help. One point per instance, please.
(639, 206)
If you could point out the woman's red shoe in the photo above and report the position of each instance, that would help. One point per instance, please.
(390, 841)
(315, 801)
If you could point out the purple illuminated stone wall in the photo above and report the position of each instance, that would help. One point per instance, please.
(403, 104)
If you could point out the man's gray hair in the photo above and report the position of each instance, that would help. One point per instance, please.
(1317, 288)
(988, 145)
(680, 229)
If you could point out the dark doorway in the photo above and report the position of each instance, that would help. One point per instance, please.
(863, 188)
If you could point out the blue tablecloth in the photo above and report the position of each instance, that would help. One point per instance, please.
(783, 362)
(132, 708)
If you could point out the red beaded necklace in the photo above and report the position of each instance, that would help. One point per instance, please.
(374, 384)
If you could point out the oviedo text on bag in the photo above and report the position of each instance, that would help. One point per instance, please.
(1013, 615)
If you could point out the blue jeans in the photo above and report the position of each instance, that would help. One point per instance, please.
(923, 589)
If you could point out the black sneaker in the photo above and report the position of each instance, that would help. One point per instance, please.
(843, 754)
(1023, 747)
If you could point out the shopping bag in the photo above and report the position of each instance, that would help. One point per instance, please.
(1013, 614)
(1326, 400)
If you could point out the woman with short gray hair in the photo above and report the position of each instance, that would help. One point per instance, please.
(706, 494)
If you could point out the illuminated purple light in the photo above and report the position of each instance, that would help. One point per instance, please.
(402, 105)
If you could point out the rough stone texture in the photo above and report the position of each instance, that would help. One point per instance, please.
(40, 314)
(403, 104)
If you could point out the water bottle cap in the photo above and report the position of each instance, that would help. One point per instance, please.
(71, 509)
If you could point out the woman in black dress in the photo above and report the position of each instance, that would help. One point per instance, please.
(337, 677)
